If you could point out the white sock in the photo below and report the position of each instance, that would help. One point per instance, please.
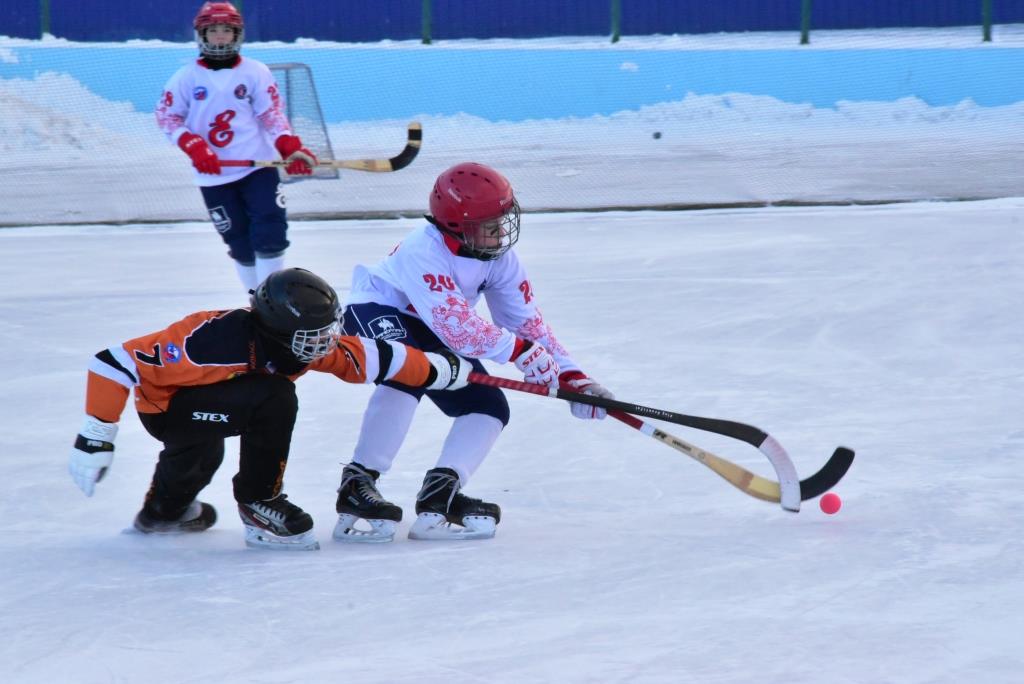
(266, 266)
(386, 421)
(468, 443)
(247, 274)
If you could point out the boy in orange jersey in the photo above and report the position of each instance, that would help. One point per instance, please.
(218, 374)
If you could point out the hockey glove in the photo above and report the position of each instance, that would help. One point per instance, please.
(576, 381)
(451, 372)
(92, 454)
(203, 158)
(536, 363)
(300, 160)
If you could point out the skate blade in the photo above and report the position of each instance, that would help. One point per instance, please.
(346, 531)
(435, 527)
(258, 538)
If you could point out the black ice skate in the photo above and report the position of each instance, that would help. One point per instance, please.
(197, 517)
(358, 498)
(443, 512)
(277, 524)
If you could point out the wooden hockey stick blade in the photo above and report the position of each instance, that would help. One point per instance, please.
(747, 482)
(414, 139)
(786, 491)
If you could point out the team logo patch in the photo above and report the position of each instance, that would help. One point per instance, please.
(199, 93)
(387, 328)
(172, 354)
(240, 91)
(220, 218)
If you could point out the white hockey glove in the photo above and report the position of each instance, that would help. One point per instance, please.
(92, 454)
(577, 381)
(451, 371)
(537, 365)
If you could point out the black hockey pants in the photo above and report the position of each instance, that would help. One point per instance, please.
(260, 408)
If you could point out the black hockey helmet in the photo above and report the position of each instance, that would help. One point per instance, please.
(300, 311)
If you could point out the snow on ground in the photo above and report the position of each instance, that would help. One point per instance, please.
(893, 330)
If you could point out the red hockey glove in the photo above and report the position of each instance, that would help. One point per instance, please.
(576, 381)
(300, 160)
(536, 363)
(203, 158)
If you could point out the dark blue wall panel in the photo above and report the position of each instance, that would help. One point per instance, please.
(520, 18)
(375, 20)
(111, 20)
(644, 17)
(851, 14)
(19, 18)
(349, 21)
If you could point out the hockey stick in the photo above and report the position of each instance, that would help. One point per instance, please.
(827, 477)
(789, 484)
(400, 161)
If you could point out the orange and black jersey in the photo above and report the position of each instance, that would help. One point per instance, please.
(212, 346)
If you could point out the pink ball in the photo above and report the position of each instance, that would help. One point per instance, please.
(830, 503)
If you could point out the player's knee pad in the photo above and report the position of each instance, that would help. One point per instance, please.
(279, 402)
(489, 401)
(268, 238)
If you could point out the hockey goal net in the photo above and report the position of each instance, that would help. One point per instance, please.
(303, 109)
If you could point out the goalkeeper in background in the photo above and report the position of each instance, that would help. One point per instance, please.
(224, 106)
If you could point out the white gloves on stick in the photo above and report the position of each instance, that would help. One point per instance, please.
(576, 381)
(92, 454)
(537, 365)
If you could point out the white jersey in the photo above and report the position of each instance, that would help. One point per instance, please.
(237, 111)
(424, 278)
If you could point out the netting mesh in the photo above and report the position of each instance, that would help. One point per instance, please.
(573, 129)
(303, 109)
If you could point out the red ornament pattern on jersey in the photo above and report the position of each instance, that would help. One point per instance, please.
(462, 330)
(274, 119)
(167, 121)
(537, 330)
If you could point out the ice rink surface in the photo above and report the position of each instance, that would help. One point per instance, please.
(895, 330)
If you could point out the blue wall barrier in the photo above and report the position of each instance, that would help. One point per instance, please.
(20, 18)
(361, 21)
(853, 14)
(365, 84)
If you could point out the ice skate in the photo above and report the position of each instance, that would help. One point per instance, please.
(359, 499)
(443, 512)
(197, 517)
(277, 524)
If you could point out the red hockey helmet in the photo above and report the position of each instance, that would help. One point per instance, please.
(475, 205)
(218, 14)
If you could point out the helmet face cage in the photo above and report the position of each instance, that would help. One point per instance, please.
(310, 345)
(219, 51)
(221, 14)
(492, 237)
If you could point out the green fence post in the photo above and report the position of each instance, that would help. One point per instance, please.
(616, 20)
(44, 17)
(805, 22)
(425, 27)
(986, 21)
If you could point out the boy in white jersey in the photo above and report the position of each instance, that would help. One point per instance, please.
(423, 294)
(233, 104)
